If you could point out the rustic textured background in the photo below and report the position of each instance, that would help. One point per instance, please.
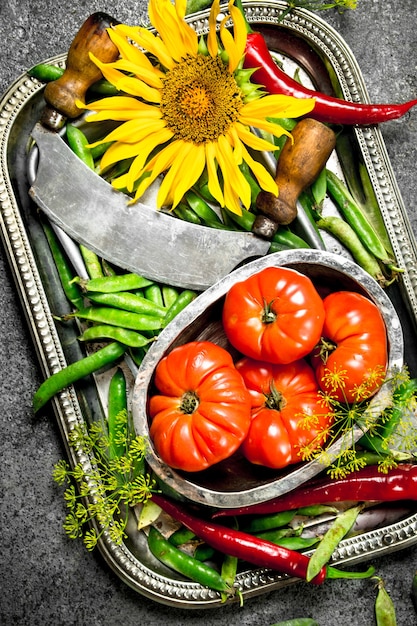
(50, 580)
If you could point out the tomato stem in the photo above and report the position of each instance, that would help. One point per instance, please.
(274, 399)
(324, 349)
(189, 402)
(268, 315)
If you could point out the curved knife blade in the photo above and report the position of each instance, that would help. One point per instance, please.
(135, 237)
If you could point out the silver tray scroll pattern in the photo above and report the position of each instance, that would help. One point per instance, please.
(131, 561)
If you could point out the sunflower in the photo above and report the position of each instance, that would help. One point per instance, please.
(186, 106)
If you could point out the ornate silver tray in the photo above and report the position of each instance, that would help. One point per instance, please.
(312, 45)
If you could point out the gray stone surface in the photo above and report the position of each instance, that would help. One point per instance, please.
(46, 578)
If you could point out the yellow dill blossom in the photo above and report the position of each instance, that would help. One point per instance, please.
(186, 107)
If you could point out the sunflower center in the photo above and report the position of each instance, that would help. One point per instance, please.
(200, 99)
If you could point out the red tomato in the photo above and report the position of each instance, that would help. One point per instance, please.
(282, 397)
(202, 410)
(351, 359)
(275, 315)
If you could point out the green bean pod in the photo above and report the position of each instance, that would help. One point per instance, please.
(201, 208)
(183, 300)
(118, 317)
(76, 371)
(169, 295)
(185, 564)
(117, 403)
(114, 284)
(105, 332)
(129, 302)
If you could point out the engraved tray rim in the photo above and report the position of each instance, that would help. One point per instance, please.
(157, 584)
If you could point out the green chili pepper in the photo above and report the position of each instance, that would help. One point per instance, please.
(118, 317)
(78, 143)
(75, 371)
(128, 302)
(125, 336)
(113, 284)
(204, 552)
(117, 403)
(71, 290)
(183, 300)
(339, 528)
(185, 564)
(45, 72)
(384, 606)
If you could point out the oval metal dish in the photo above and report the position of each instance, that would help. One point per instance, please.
(329, 62)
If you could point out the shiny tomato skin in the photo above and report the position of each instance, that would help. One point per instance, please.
(296, 315)
(201, 411)
(277, 433)
(355, 326)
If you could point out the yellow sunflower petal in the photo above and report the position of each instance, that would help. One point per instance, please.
(213, 179)
(150, 77)
(277, 105)
(184, 172)
(150, 42)
(130, 52)
(158, 164)
(179, 37)
(235, 185)
(130, 85)
(134, 130)
(252, 140)
(262, 175)
(235, 44)
(212, 43)
(145, 147)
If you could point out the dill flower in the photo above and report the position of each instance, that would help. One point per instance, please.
(186, 107)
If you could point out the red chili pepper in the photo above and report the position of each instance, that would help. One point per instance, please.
(366, 485)
(327, 108)
(249, 548)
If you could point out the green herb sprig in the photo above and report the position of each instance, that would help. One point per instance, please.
(99, 492)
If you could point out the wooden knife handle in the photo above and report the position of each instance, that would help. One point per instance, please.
(299, 164)
(81, 72)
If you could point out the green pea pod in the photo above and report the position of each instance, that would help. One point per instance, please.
(128, 302)
(377, 440)
(45, 72)
(186, 213)
(267, 522)
(347, 236)
(78, 143)
(92, 262)
(76, 371)
(185, 564)
(169, 295)
(114, 284)
(204, 552)
(384, 607)
(71, 290)
(129, 338)
(355, 217)
(117, 403)
(319, 188)
(118, 317)
(340, 527)
(154, 294)
(181, 536)
(201, 208)
(183, 300)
